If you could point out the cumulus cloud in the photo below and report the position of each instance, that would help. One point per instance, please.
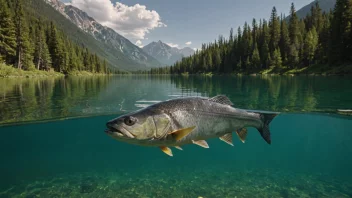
(188, 43)
(172, 45)
(133, 22)
(139, 43)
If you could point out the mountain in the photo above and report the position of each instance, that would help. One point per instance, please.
(84, 30)
(166, 54)
(325, 5)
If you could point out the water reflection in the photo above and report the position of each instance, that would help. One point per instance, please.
(49, 98)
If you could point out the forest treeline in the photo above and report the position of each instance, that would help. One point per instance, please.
(31, 43)
(322, 39)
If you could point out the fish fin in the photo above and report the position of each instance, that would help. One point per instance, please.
(265, 131)
(166, 150)
(221, 99)
(201, 143)
(242, 134)
(227, 138)
(179, 148)
(179, 134)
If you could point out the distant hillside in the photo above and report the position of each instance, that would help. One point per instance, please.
(131, 58)
(166, 54)
(325, 5)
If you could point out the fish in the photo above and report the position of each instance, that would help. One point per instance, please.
(189, 120)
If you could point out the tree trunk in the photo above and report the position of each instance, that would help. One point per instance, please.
(19, 63)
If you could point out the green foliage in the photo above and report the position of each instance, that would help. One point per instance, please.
(310, 45)
(276, 60)
(341, 33)
(298, 44)
(256, 57)
(274, 30)
(7, 34)
(32, 43)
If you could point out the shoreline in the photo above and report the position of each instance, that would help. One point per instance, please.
(344, 70)
(7, 71)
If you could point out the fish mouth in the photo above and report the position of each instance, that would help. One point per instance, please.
(118, 131)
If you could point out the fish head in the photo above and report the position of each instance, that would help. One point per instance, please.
(145, 125)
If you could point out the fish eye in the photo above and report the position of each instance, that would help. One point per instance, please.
(130, 120)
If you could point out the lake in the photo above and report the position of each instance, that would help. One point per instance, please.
(53, 142)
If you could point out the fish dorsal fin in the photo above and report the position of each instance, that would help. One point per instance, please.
(221, 99)
(166, 150)
(201, 143)
(181, 133)
(227, 138)
(242, 134)
(179, 148)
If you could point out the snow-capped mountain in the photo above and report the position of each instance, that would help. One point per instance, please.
(166, 54)
(106, 35)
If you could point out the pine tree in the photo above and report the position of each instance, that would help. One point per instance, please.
(310, 45)
(23, 50)
(284, 43)
(276, 60)
(340, 48)
(265, 55)
(7, 34)
(274, 30)
(55, 49)
(317, 17)
(42, 59)
(255, 57)
(294, 33)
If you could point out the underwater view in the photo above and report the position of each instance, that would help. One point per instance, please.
(53, 142)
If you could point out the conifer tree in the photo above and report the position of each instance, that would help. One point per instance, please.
(7, 34)
(310, 46)
(276, 60)
(294, 33)
(284, 43)
(255, 57)
(274, 30)
(23, 51)
(42, 59)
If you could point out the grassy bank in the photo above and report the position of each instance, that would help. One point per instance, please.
(7, 71)
(311, 70)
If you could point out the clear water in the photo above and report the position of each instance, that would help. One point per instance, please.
(310, 155)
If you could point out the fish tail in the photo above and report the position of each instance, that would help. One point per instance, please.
(264, 130)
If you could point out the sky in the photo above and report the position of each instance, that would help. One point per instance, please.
(179, 23)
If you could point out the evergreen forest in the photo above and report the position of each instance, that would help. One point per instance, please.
(320, 41)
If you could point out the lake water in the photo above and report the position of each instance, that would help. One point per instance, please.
(53, 142)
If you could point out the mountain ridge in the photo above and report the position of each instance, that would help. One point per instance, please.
(166, 54)
(119, 51)
(325, 6)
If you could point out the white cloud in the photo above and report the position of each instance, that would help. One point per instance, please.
(172, 45)
(188, 43)
(130, 21)
(139, 43)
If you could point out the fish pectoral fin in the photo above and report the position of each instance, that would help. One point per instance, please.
(166, 150)
(181, 133)
(242, 134)
(227, 138)
(201, 143)
(179, 148)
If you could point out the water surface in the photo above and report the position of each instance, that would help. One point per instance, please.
(310, 155)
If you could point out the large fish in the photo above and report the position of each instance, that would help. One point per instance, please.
(190, 120)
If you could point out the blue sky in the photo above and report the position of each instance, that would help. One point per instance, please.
(195, 21)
